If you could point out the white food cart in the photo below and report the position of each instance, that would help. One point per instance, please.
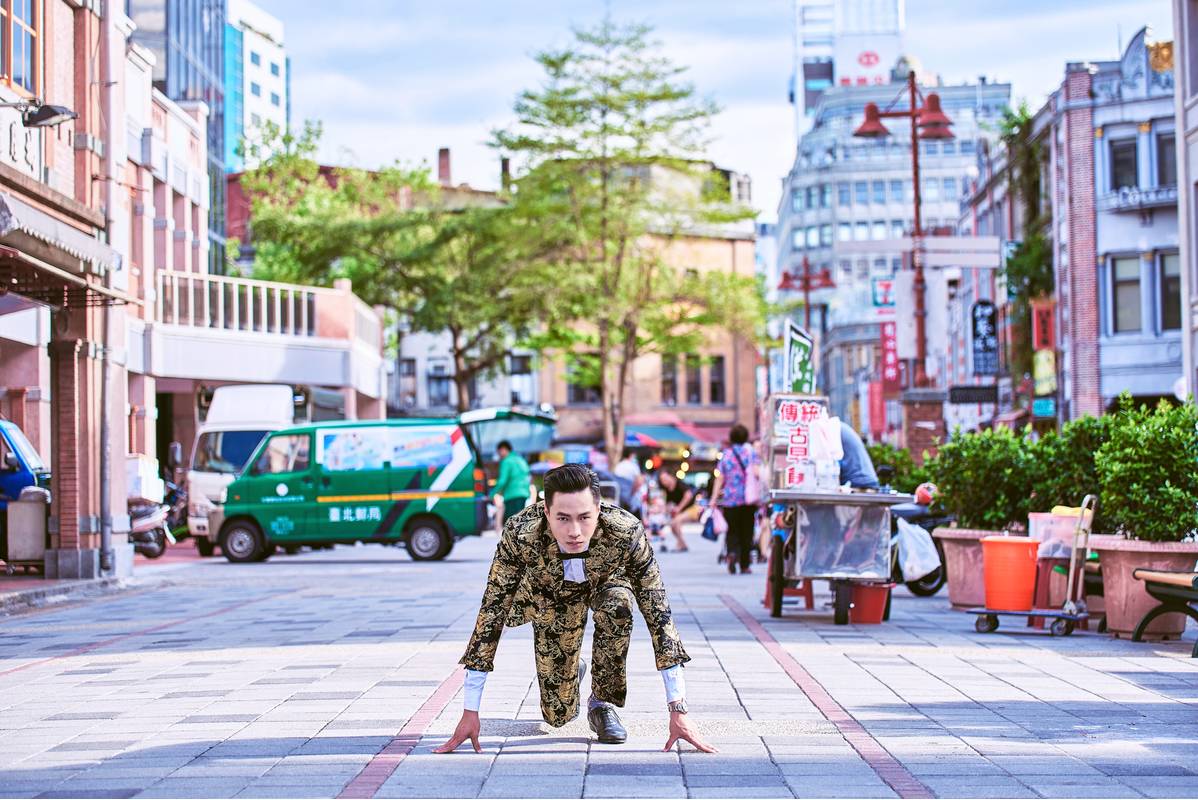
(819, 530)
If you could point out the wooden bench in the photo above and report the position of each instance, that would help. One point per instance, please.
(1175, 591)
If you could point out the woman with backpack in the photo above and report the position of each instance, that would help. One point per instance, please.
(737, 491)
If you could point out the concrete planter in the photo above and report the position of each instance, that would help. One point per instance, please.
(1126, 600)
(963, 562)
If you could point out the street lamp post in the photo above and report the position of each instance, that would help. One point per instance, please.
(928, 122)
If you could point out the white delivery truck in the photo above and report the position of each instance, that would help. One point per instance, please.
(237, 418)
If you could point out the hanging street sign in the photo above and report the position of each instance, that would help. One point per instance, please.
(985, 338)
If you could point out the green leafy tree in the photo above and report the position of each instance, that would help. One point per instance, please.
(609, 150)
(443, 261)
(1028, 272)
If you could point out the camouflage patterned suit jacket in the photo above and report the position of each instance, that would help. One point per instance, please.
(526, 581)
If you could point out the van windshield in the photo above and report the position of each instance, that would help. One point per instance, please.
(25, 450)
(225, 452)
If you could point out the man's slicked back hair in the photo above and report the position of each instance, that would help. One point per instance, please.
(570, 478)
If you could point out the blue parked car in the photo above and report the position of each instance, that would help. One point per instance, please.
(20, 464)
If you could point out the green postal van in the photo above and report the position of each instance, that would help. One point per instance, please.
(415, 481)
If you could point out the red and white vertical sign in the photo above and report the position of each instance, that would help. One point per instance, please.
(890, 361)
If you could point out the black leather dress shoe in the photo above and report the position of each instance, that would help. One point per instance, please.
(606, 723)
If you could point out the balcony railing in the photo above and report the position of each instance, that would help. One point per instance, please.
(237, 304)
(1132, 198)
(217, 302)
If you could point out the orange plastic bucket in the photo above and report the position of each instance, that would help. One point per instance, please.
(1009, 567)
(869, 603)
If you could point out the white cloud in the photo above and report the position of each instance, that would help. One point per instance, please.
(397, 80)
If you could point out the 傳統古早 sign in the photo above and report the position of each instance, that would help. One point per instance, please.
(799, 363)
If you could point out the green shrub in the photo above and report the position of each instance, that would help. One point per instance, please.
(1148, 471)
(1064, 468)
(985, 478)
(907, 474)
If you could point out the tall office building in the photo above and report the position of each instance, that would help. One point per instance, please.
(842, 43)
(257, 79)
(187, 39)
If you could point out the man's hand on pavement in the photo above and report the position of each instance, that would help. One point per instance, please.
(680, 730)
(469, 728)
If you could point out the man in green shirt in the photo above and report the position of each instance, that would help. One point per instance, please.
(512, 485)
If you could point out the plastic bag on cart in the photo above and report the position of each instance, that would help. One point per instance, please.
(917, 552)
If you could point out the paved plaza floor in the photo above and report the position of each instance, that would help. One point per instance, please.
(335, 673)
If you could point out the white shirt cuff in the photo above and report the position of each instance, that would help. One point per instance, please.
(675, 683)
(475, 681)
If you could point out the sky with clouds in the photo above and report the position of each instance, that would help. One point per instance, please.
(393, 80)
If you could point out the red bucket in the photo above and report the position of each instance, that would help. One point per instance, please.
(869, 603)
(1009, 568)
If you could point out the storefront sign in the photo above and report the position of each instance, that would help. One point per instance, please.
(1044, 334)
(1044, 407)
(985, 338)
(890, 360)
(883, 293)
(968, 395)
(877, 410)
(1044, 372)
(800, 360)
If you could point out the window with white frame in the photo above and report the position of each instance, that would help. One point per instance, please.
(1166, 159)
(1125, 295)
(20, 45)
(1170, 272)
(1124, 167)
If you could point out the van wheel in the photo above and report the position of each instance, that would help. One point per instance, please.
(241, 542)
(427, 540)
(205, 547)
(291, 549)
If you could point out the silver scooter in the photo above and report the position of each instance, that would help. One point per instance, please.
(148, 529)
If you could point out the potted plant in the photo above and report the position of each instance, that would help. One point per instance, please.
(1148, 476)
(985, 479)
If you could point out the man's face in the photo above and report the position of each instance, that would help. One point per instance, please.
(573, 518)
(502, 451)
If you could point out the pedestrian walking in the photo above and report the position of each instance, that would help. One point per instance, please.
(512, 486)
(737, 491)
(680, 505)
(556, 560)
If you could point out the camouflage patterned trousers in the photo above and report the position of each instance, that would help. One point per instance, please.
(557, 644)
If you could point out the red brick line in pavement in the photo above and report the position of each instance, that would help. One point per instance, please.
(879, 759)
(376, 772)
(87, 648)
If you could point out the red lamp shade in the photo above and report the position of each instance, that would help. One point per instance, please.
(872, 128)
(933, 122)
(787, 283)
